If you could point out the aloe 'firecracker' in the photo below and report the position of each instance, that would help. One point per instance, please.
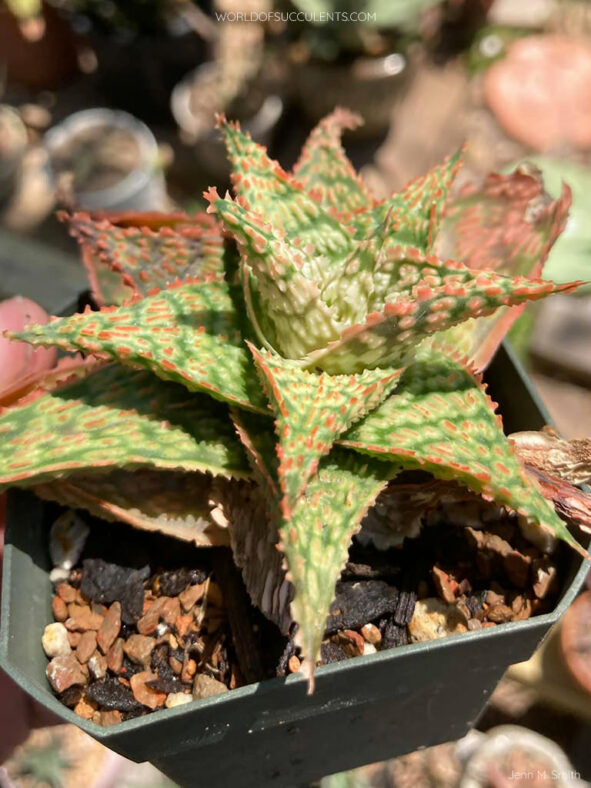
(314, 359)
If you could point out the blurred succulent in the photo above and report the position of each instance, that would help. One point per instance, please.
(315, 365)
(44, 765)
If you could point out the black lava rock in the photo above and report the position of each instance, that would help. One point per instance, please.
(105, 583)
(172, 583)
(405, 607)
(393, 635)
(332, 652)
(110, 694)
(358, 603)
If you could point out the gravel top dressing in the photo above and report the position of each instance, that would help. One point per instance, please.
(143, 621)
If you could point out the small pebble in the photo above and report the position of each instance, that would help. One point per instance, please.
(110, 627)
(170, 610)
(59, 609)
(294, 664)
(81, 618)
(66, 592)
(499, 614)
(86, 647)
(371, 634)
(177, 699)
(115, 656)
(65, 672)
(85, 708)
(433, 619)
(355, 638)
(110, 718)
(445, 584)
(188, 671)
(161, 629)
(97, 665)
(58, 575)
(149, 621)
(183, 625)
(205, 686)
(139, 649)
(494, 598)
(191, 595)
(55, 641)
(143, 694)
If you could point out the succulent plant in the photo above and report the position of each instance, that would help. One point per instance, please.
(275, 367)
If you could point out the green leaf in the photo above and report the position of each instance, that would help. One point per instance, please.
(263, 187)
(146, 251)
(174, 503)
(415, 212)
(441, 420)
(326, 173)
(315, 539)
(311, 411)
(286, 296)
(190, 334)
(387, 337)
(116, 418)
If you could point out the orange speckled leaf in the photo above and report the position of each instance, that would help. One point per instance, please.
(116, 418)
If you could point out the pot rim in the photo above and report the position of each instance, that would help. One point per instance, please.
(48, 699)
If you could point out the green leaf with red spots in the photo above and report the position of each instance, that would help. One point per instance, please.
(441, 420)
(263, 187)
(326, 173)
(414, 214)
(286, 296)
(386, 337)
(316, 538)
(190, 334)
(145, 251)
(311, 411)
(117, 418)
(508, 225)
(174, 503)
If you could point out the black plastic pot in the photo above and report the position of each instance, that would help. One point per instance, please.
(273, 734)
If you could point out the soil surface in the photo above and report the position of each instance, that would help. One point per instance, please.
(145, 622)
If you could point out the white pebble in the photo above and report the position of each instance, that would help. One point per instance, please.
(177, 699)
(55, 641)
(59, 575)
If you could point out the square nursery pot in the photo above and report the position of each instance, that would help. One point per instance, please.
(274, 734)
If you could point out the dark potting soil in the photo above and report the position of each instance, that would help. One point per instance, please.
(147, 621)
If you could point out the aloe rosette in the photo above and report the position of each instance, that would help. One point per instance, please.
(293, 346)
